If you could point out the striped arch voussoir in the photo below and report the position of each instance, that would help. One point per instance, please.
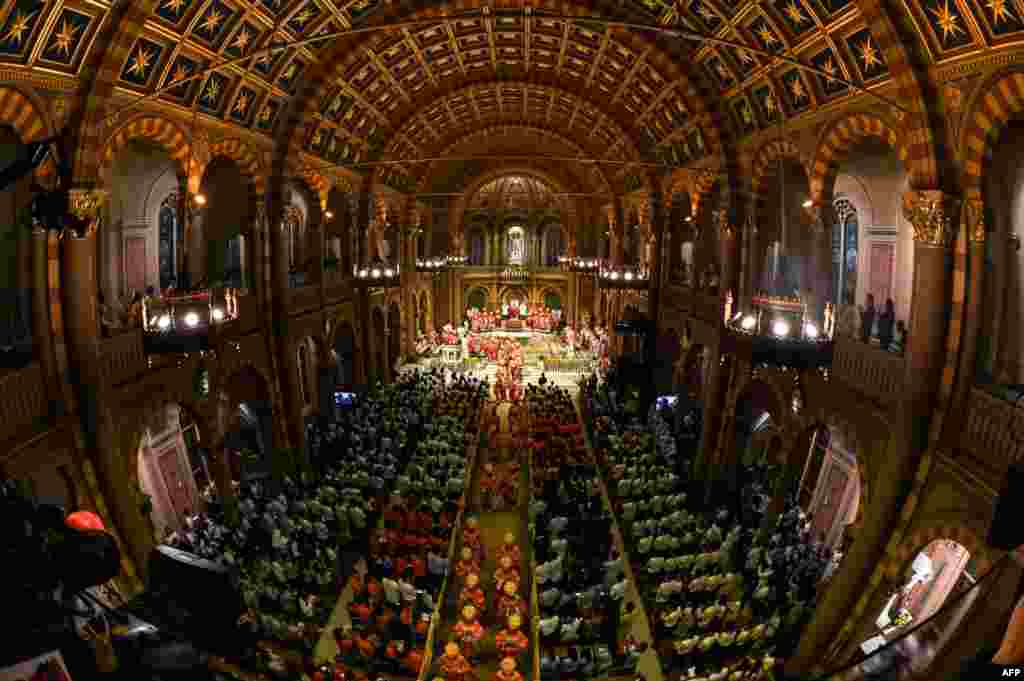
(155, 129)
(999, 102)
(840, 139)
(20, 112)
(245, 157)
(768, 153)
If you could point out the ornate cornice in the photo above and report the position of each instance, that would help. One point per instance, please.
(931, 213)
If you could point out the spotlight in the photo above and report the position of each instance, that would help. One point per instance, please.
(376, 273)
(749, 322)
(615, 275)
(200, 199)
(808, 203)
(192, 319)
(689, 218)
(389, 272)
(218, 314)
(329, 215)
(164, 323)
(629, 276)
(737, 317)
(363, 273)
(811, 331)
(780, 328)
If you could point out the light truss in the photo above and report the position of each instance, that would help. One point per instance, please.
(686, 34)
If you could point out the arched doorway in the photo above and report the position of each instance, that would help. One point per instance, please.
(380, 347)
(395, 339)
(249, 444)
(173, 470)
(345, 348)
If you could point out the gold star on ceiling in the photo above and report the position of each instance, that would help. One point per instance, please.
(212, 21)
(767, 37)
(140, 62)
(212, 91)
(318, 137)
(264, 114)
(831, 69)
(62, 39)
(241, 40)
(241, 104)
(795, 14)
(1000, 12)
(769, 104)
(746, 113)
(302, 17)
(948, 21)
(17, 30)
(181, 72)
(796, 88)
(174, 6)
(869, 55)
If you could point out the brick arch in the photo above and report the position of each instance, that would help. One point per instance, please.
(158, 130)
(247, 159)
(21, 110)
(922, 147)
(838, 140)
(999, 100)
(770, 152)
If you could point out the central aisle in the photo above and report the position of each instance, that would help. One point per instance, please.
(494, 525)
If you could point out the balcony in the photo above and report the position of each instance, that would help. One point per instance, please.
(873, 372)
(183, 323)
(993, 432)
(23, 402)
(123, 357)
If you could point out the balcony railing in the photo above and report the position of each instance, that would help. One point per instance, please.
(993, 432)
(873, 372)
(23, 402)
(123, 357)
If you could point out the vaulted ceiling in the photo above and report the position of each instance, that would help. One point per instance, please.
(413, 90)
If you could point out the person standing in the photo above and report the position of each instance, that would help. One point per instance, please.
(867, 319)
(885, 324)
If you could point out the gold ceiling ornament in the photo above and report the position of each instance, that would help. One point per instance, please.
(974, 220)
(931, 213)
(86, 205)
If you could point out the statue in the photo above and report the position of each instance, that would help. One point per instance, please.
(511, 641)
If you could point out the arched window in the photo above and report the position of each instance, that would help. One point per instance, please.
(171, 235)
(844, 253)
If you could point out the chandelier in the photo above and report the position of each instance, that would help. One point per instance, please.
(623, 277)
(580, 265)
(383, 275)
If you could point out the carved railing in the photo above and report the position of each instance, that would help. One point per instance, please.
(993, 431)
(876, 373)
(23, 402)
(123, 357)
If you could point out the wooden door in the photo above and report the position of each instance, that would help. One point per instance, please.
(883, 256)
(135, 263)
(178, 488)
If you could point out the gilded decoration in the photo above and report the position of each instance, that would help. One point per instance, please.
(726, 230)
(931, 213)
(85, 204)
(974, 220)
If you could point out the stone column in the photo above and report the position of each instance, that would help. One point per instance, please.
(750, 263)
(613, 213)
(657, 217)
(819, 278)
(974, 221)
(81, 320)
(729, 251)
(41, 332)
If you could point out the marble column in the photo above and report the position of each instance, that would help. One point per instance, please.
(818, 279)
(974, 221)
(41, 331)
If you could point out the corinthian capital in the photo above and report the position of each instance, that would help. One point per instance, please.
(932, 214)
(974, 220)
(725, 228)
(85, 204)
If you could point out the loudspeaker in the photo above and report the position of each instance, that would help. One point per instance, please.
(1007, 532)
